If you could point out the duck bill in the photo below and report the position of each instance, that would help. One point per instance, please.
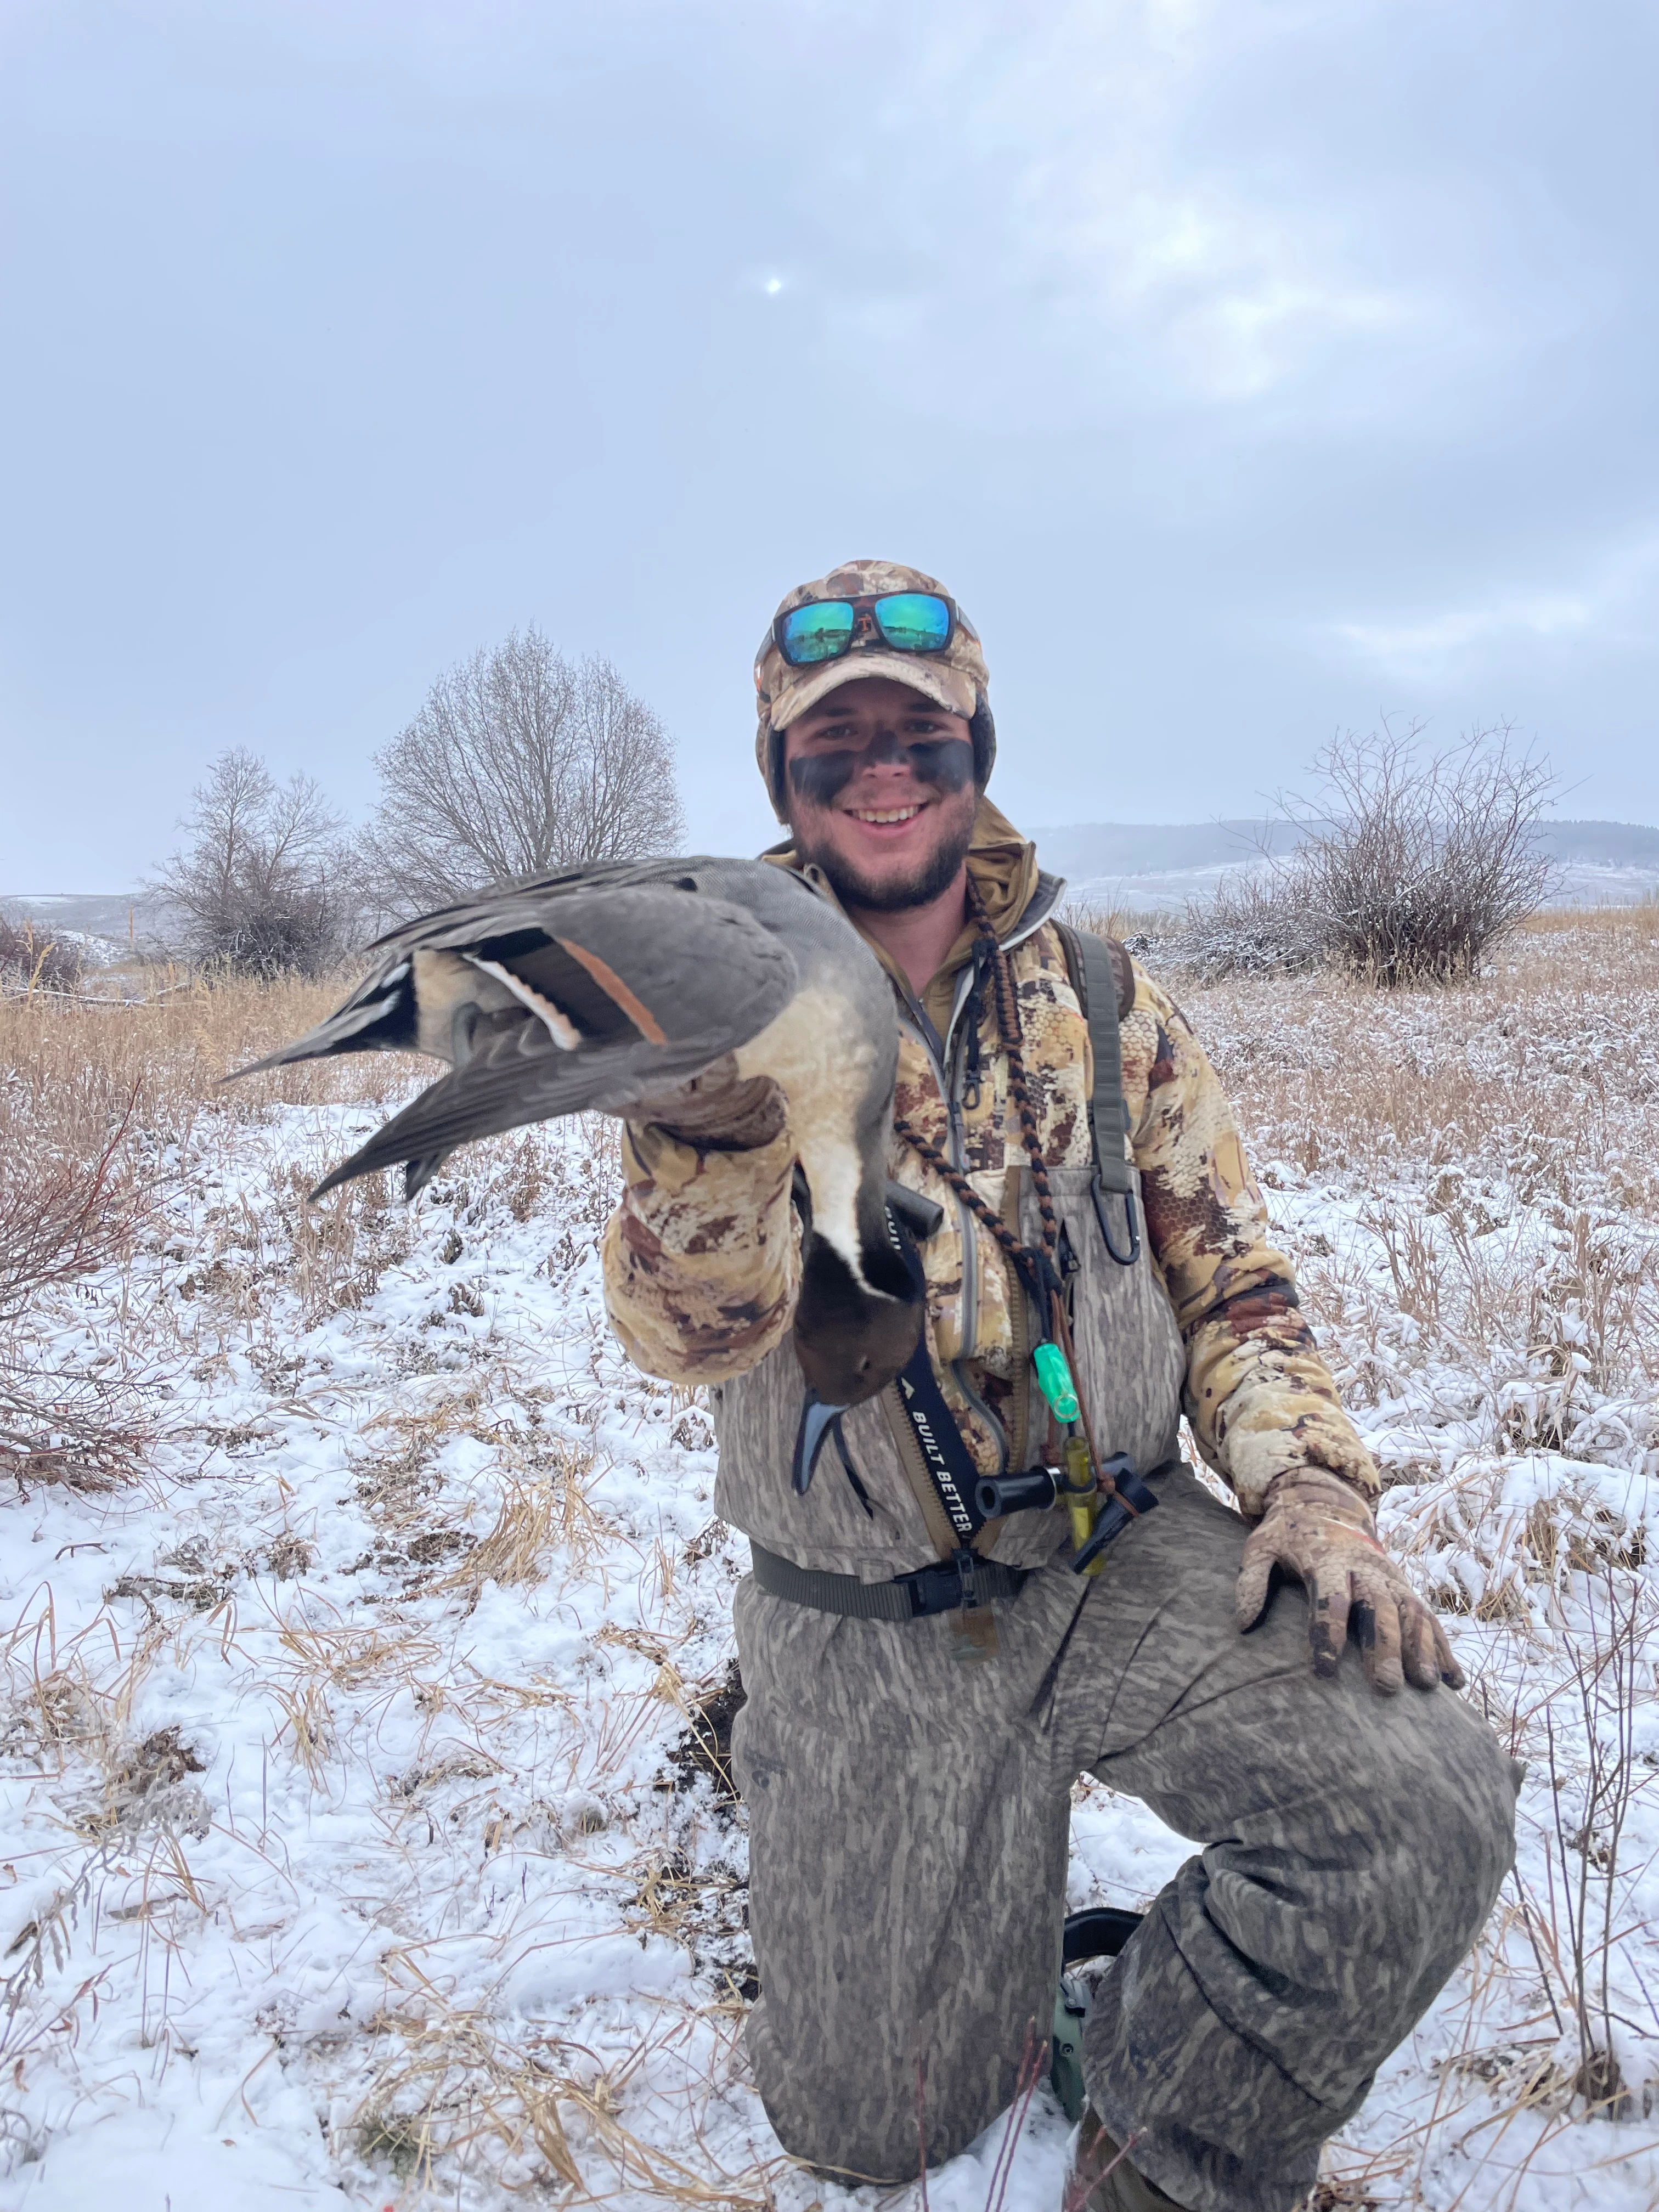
(816, 1420)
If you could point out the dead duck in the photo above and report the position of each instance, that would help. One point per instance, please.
(606, 986)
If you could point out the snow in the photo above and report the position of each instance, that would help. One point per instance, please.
(352, 1846)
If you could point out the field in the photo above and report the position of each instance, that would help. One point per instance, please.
(364, 1832)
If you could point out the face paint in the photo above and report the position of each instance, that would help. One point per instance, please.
(946, 763)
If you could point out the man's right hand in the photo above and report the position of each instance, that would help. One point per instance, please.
(718, 1110)
(1319, 1529)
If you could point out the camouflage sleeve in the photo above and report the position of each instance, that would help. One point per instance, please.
(1259, 1397)
(702, 1259)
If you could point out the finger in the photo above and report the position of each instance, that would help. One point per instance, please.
(1450, 1672)
(1255, 1577)
(1328, 1619)
(1422, 1660)
(1429, 1659)
(1376, 1617)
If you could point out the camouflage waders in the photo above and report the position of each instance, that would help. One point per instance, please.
(908, 1782)
(908, 1811)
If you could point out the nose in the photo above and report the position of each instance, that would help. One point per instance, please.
(884, 750)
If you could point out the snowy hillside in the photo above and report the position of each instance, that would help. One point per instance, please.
(1163, 868)
(364, 1834)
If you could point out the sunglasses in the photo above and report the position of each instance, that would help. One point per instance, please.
(823, 629)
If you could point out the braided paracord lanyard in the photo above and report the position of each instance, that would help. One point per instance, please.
(1039, 1272)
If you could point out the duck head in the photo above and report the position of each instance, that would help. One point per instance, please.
(854, 1337)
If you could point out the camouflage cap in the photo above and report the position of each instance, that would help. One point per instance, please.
(955, 678)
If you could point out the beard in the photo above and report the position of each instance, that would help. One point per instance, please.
(928, 878)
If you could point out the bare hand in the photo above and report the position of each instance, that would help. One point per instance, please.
(1320, 1530)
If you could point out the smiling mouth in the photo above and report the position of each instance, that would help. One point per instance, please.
(884, 814)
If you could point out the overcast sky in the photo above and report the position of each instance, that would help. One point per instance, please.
(1246, 371)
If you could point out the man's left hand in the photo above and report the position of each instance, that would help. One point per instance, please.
(1318, 1529)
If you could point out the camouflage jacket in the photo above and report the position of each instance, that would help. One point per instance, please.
(701, 1258)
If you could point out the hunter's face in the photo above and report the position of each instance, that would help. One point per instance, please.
(882, 794)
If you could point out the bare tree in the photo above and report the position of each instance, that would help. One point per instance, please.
(265, 878)
(519, 761)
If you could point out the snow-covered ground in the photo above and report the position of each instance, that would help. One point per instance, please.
(362, 1831)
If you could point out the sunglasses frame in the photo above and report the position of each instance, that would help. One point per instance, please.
(866, 627)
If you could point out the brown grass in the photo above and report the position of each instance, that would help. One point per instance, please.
(536, 1512)
(1637, 917)
(1541, 1072)
(1107, 918)
(101, 1102)
(73, 1063)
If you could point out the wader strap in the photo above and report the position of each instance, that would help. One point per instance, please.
(1095, 981)
(958, 1584)
(949, 1465)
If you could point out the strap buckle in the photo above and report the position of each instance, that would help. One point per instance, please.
(946, 1586)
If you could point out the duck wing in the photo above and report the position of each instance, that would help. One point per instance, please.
(489, 913)
(620, 992)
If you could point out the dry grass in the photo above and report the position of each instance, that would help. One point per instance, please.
(1542, 1072)
(72, 1063)
(1106, 918)
(1494, 1150)
(1639, 917)
(1495, 1146)
(536, 1514)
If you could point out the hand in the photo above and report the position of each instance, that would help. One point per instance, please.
(718, 1110)
(1319, 1530)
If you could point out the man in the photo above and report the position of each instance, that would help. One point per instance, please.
(908, 1776)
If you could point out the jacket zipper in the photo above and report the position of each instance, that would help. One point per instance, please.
(947, 1053)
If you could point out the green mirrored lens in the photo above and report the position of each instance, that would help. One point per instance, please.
(817, 631)
(915, 621)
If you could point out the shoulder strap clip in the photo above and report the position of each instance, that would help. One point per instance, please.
(1095, 981)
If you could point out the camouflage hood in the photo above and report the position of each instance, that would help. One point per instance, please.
(955, 678)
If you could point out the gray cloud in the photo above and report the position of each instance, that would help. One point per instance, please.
(1248, 370)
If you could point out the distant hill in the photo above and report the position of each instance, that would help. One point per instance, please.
(119, 920)
(1154, 866)
(1164, 865)
(1602, 844)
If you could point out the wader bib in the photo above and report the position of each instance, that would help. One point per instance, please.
(908, 1782)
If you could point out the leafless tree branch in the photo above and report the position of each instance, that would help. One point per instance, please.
(519, 761)
(265, 878)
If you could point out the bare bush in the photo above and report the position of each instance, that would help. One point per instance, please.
(1253, 925)
(1407, 868)
(64, 1211)
(519, 761)
(1411, 868)
(266, 879)
(32, 959)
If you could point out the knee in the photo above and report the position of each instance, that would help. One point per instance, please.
(1443, 1815)
(1396, 1861)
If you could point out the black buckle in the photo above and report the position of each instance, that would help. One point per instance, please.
(1114, 1516)
(945, 1587)
(1127, 1257)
